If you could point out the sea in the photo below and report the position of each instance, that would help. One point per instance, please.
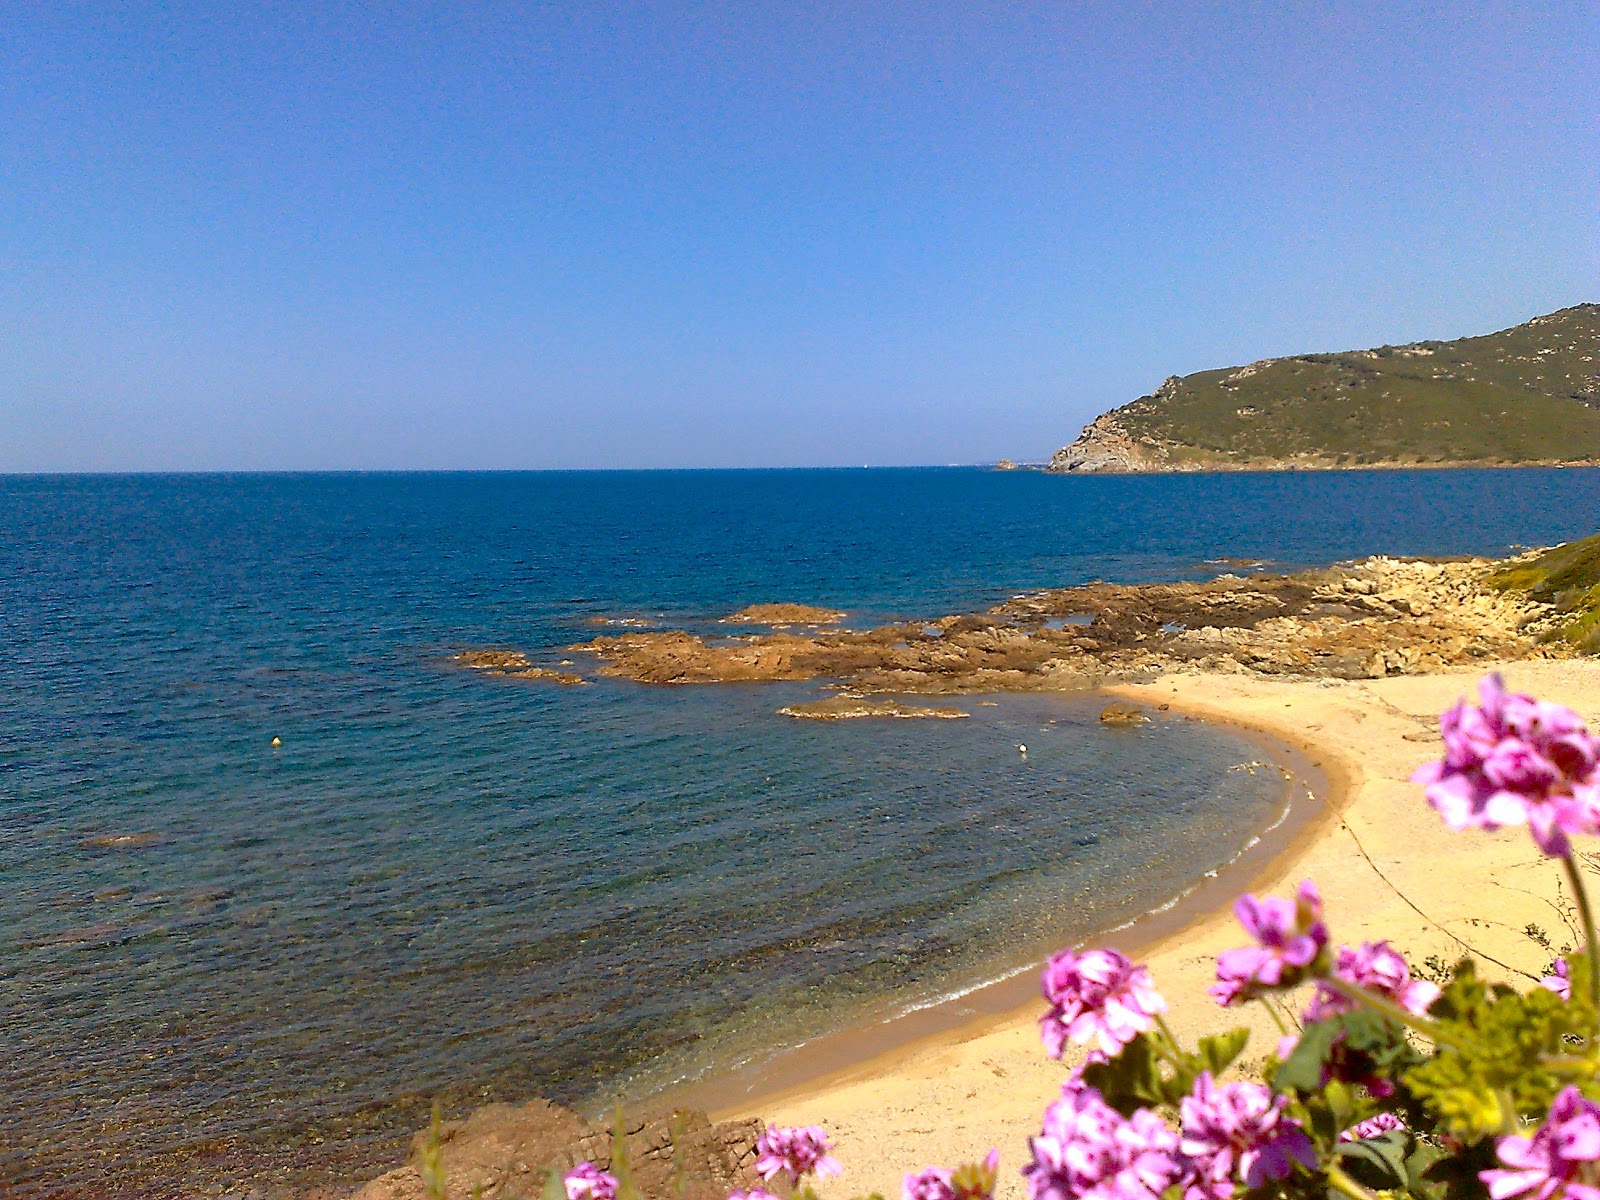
(276, 875)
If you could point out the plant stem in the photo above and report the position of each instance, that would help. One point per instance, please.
(1393, 1011)
(1167, 1044)
(1272, 1011)
(1348, 1186)
(1586, 915)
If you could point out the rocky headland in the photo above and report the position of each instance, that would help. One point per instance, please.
(1528, 395)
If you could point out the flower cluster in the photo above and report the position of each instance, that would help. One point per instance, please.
(1375, 967)
(1231, 1134)
(1238, 1132)
(972, 1182)
(1089, 1151)
(1561, 1159)
(793, 1153)
(1097, 998)
(588, 1182)
(1514, 760)
(1290, 937)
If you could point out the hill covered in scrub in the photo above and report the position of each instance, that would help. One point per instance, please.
(1525, 395)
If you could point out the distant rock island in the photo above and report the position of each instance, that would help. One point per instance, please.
(1528, 395)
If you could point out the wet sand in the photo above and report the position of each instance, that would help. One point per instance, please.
(943, 1087)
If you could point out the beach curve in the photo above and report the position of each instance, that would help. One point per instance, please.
(1383, 860)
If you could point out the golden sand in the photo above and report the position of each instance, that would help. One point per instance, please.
(1385, 863)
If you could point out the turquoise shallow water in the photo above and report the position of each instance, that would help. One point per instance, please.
(443, 885)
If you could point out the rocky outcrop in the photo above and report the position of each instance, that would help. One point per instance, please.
(1106, 446)
(503, 1151)
(1375, 617)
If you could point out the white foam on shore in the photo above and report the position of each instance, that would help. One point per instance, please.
(947, 997)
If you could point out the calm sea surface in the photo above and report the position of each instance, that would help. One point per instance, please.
(221, 959)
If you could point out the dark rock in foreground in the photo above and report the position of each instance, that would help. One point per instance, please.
(505, 1151)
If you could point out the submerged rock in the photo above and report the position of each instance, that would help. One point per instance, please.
(514, 664)
(1123, 714)
(565, 678)
(123, 841)
(845, 708)
(492, 660)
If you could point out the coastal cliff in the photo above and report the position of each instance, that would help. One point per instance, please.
(1528, 395)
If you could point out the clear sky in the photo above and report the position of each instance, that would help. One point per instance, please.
(747, 234)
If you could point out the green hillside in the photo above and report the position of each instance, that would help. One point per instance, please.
(1526, 394)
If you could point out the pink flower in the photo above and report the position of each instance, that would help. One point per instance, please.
(1289, 937)
(752, 1194)
(975, 1181)
(588, 1182)
(1559, 980)
(1373, 1126)
(1097, 997)
(931, 1183)
(1514, 760)
(794, 1152)
(1089, 1151)
(1376, 967)
(1559, 1160)
(1237, 1132)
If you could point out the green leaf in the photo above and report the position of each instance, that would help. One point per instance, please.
(1378, 1162)
(1221, 1050)
(1496, 1046)
(1131, 1080)
(1302, 1071)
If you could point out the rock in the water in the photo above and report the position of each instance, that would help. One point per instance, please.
(1122, 714)
(514, 664)
(565, 678)
(783, 614)
(845, 708)
(492, 660)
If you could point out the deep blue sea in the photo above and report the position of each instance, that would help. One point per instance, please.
(221, 958)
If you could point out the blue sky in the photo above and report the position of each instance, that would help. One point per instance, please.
(637, 235)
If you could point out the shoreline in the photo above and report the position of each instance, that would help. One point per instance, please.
(1313, 793)
(1387, 868)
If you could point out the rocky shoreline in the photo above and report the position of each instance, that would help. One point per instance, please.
(1362, 620)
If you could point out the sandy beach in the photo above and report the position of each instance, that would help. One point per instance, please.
(1385, 863)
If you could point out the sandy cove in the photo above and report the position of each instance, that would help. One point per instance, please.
(1385, 863)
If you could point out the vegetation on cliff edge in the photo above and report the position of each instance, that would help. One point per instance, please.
(1567, 577)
